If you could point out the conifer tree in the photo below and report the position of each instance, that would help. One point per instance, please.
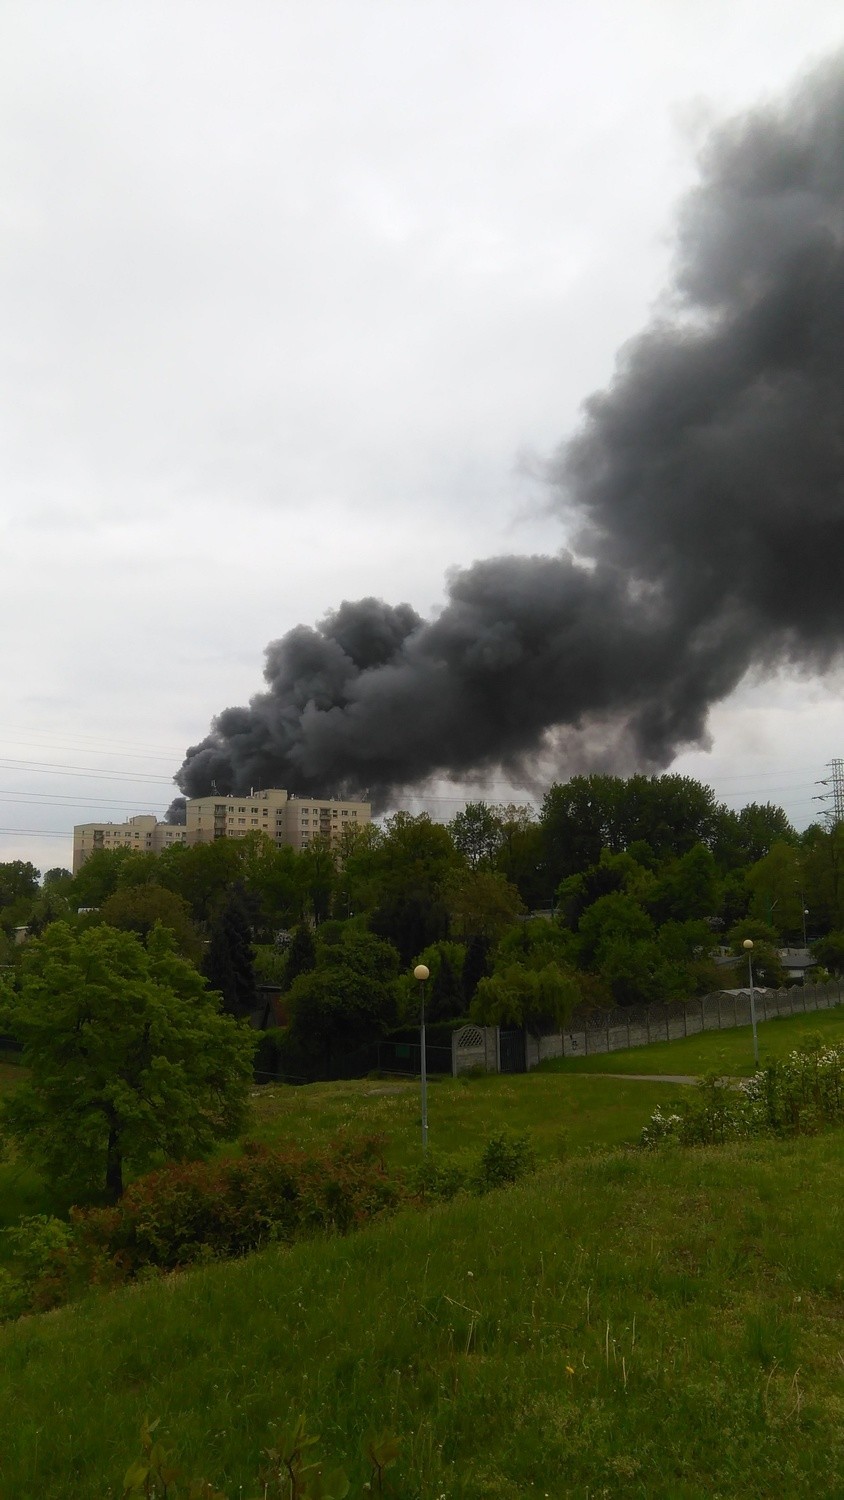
(229, 964)
(301, 955)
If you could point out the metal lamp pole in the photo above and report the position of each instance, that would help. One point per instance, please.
(748, 945)
(422, 972)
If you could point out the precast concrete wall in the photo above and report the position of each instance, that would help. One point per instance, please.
(589, 1033)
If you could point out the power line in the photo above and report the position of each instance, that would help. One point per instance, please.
(60, 799)
(45, 833)
(107, 746)
(48, 768)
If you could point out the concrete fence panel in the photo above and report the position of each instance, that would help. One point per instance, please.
(591, 1033)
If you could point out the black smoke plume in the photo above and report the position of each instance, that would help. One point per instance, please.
(705, 497)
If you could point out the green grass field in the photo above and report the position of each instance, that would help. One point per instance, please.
(562, 1115)
(663, 1326)
(727, 1052)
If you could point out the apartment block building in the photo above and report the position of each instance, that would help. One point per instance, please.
(143, 833)
(285, 818)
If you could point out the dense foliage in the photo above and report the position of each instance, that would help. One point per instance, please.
(128, 1059)
(616, 892)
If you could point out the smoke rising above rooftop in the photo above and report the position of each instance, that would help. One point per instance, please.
(703, 500)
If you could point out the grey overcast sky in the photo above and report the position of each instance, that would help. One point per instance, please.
(297, 298)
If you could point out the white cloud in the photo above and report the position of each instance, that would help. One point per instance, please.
(287, 291)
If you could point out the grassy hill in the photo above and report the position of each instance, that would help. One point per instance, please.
(622, 1324)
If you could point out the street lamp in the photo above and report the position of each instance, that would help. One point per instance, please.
(422, 972)
(748, 945)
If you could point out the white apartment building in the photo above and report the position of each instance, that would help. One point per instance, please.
(285, 818)
(143, 832)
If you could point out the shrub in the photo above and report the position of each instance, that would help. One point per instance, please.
(506, 1158)
(188, 1213)
(200, 1211)
(436, 1178)
(39, 1248)
(795, 1096)
(267, 1063)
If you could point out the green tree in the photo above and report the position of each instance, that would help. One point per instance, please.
(410, 920)
(613, 920)
(537, 999)
(476, 966)
(201, 874)
(229, 965)
(98, 877)
(129, 1061)
(50, 905)
(590, 813)
(829, 951)
(301, 954)
(335, 1010)
(823, 863)
(414, 860)
(767, 968)
(445, 995)
(775, 882)
(761, 826)
(688, 888)
(482, 904)
(613, 872)
(359, 873)
(138, 908)
(273, 878)
(477, 834)
(636, 972)
(18, 880)
(520, 855)
(535, 943)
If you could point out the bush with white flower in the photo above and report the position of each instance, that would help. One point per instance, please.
(794, 1096)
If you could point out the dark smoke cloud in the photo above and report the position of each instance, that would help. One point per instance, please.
(177, 811)
(706, 490)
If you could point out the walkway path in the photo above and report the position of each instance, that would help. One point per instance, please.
(657, 1077)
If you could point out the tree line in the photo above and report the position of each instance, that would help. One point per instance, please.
(615, 892)
(641, 878)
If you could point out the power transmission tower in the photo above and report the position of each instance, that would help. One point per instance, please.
(834, 795)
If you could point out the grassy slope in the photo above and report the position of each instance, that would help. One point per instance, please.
(561, 1114)
(624, 1325)
(728, 1052)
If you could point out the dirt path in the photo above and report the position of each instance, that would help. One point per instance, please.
(658, 1077)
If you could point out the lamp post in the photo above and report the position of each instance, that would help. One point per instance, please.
(748, 945)
(421, 972)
